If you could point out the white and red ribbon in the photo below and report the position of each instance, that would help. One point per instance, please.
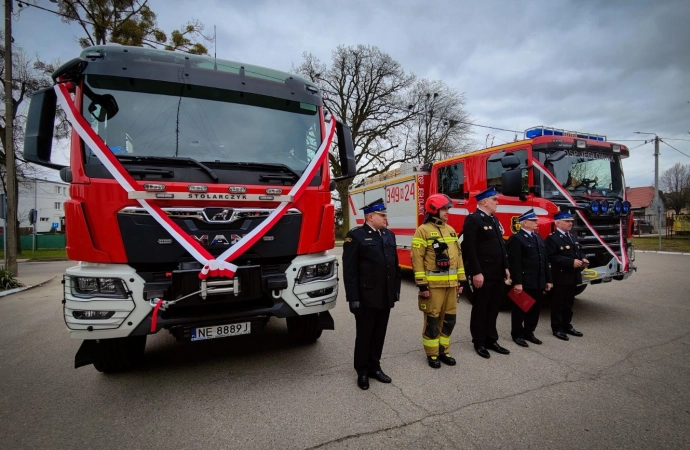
(623, 259)
(213, 267)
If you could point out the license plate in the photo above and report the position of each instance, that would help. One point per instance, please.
(219, 331)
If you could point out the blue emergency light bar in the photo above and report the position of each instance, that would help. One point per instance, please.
(541, 130)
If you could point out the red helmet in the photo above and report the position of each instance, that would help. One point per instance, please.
(437, 201)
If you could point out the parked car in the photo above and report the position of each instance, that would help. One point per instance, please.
(642, 227)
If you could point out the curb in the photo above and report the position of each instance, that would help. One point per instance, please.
(25, 288)
(662, 252)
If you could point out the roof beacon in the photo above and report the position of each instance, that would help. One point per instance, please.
(541, 130)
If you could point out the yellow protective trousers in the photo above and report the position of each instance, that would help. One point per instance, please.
(439, 319)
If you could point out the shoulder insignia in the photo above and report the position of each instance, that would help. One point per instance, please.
(348, 239)
(354, 228)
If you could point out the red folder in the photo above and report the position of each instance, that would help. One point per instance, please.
(523, 300)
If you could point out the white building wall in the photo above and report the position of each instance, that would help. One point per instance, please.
(47, 197)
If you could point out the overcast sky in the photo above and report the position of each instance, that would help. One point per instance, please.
(608, 67)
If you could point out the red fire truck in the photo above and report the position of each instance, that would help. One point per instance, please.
(200, 199)
(551, 170)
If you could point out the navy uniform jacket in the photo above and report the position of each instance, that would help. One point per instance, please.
(370, 267)
(562, 253)
(483, 247)
(529, 264)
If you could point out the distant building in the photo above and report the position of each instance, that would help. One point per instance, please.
(48, 198)
(644, 207)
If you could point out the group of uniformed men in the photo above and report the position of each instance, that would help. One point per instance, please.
(440, 264)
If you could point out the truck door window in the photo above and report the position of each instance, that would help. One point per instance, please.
(494, 170)
(451, 180)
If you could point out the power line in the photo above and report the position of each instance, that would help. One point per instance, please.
(674, 148)
(57, 13)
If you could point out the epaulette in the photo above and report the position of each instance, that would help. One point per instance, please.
(355, 228)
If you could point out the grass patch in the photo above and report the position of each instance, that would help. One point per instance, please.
(45, 254)
(668, 244)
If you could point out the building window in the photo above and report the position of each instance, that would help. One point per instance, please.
(57, 189)
(44, 219)
(58, 205)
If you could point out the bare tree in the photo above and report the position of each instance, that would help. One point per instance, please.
(129, 22)
(675, 183)
(440, 128)
(368, 90)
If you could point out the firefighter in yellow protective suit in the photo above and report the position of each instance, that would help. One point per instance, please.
(438, 271)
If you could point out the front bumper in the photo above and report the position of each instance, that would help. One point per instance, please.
(132, 314)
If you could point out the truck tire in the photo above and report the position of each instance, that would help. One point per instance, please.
(119, 354)
(304, 329)
(580, 289)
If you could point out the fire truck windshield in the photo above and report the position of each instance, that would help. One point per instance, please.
(583, 172)
(161, 119)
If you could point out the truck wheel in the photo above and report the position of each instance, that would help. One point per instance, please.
(304, 328)
(119, 354)
(580, 289)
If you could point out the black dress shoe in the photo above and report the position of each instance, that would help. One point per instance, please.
(572, 331)
(433, 362)
(379, 375)
(561, 335)
(533, 340)
(482, 351)
(446, 359)
(363, 382)
(498, 349)
(520, 341)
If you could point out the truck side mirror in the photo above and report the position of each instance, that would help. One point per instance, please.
(38, 140)
(511, 182)
(346, 151)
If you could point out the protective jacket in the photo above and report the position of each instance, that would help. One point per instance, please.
(426, 272)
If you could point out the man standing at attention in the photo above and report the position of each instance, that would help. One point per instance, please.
(486, 265)
(438, 271)
(529, 267)
(567, 263)
(372, 286)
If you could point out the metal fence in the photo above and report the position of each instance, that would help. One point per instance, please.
(43, 241)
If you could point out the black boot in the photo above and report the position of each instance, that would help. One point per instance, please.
(433, 361)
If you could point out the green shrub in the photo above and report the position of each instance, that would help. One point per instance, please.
(7, 280)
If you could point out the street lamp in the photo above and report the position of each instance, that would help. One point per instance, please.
(656, 183)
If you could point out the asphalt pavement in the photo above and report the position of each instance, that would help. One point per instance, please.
(623, 385)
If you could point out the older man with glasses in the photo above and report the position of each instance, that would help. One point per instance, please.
(486, 267)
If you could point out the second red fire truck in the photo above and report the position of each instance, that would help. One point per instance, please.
(550, 170)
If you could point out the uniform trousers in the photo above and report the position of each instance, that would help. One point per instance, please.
(371, 324)
(485, 308)
(440, 312)
(524, 323)
(562, 306)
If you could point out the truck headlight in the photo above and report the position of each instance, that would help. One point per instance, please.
(314, 272)
(87, 287)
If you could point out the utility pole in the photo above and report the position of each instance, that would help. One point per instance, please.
(11, 218)
(656, 188)
(657, 200)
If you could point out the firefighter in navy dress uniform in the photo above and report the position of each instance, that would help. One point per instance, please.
(372, 286)
(486, 267)
(567, 264)
(529, 268)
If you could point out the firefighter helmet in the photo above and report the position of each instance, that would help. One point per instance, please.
(437, 201)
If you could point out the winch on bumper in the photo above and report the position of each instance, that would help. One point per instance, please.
(103, 301)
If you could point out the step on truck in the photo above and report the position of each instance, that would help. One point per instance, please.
(200, 199)
(550, 170)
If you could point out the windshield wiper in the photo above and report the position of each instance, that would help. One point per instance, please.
(183, 159)
(290, 174)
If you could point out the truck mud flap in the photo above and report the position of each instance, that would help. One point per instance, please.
(86, 354)
(326, 321)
